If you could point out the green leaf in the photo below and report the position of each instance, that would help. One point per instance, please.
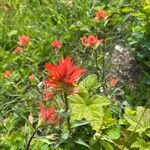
(90, 83)
(79, 123)
(127, 9)
(113, 132)
(89, 108)
(45, 147)
(81, 142)
(44, 140)
(141, 144)
(139, 120)
(64, 136)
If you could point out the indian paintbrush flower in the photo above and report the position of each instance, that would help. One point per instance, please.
(18, 49)
(7, 74)
(23, 40)
(101, 15)
(90, 41)
(56, 44)
(48, 116)
(63, 75)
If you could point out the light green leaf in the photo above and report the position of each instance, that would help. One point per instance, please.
(90, 83)
(113, 132)
(127, 9)
(139, 120)
(79, 123)
(141, 144)
(81, 142)
(88, 108)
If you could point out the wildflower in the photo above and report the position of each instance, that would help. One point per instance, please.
(18, 49)
(48, 115)
(31, 77)
(101, 15)
(56, 44)
(64, 74)
(91, 41)
(48, 95)
(7, 74)
(113, 82)
(23, 40)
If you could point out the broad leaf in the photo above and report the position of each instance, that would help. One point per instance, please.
(89, 108)
(90, 83)
(139, 120)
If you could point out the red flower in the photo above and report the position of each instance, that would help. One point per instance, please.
(7, 74)
(23, 40)
(101, 15)
(31, 77)
(48, 95)
(48, 115)
(56, 44)
(113, 82)
(18, 49)
(64, 74)
(90, 40)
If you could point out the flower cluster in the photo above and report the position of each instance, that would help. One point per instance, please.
(90, 41)
(64, 74)
(101, 15)
(7, 74)
(48, 115)
(56, 44)
(23, 41)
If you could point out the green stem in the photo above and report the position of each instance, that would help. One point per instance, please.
(96, 63)
(103, 69)
(66, 110)
(30, 140)
(4, 126)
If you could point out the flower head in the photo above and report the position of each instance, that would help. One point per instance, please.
(23, 40)
(31, 77)
(56, 44)
(113, 82)
(48, 95)
(91, 41)
(7, 74)
(48, 115)
(101, 15)
(64, 74)
(18, 49)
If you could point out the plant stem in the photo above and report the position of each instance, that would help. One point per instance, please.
(4, 126)
(96, 63)
(66, 110)
(30, 140)
(103, 69)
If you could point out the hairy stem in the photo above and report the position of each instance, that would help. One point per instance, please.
(30, 140)
(96, 63)
(66, 110)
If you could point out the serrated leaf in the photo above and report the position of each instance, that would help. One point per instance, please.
(141, 144)
(90, 83)
(139, 120)
(88, 108)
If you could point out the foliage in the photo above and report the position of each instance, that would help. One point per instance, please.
(82, 115)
